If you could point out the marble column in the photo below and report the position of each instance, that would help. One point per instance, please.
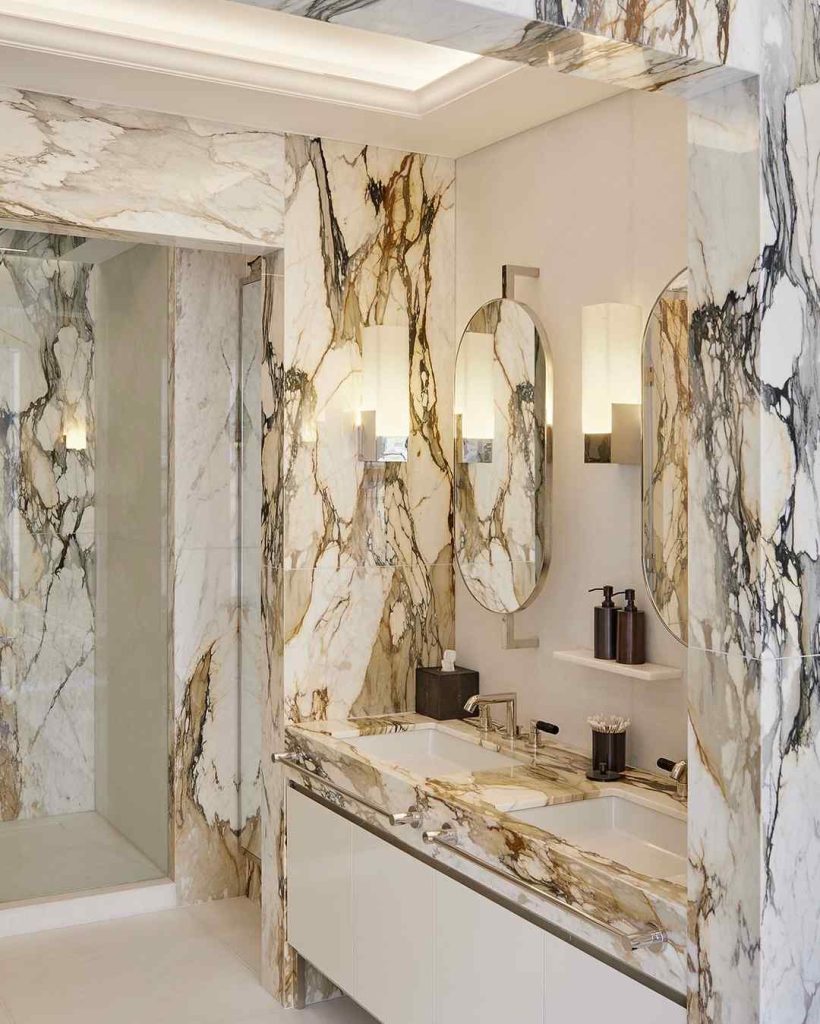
(358, 587)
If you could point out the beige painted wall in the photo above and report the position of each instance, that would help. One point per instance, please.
(597, 200)
(132, 297)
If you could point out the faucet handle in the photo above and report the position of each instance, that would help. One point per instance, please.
(537, 726)
(546, 727)
(679, 770)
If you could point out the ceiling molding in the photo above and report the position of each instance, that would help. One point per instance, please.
(118, 50)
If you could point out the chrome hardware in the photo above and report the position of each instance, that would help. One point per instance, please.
(538, 729)
(288, 758)
(446, 836)
(483, 702)
(412, 816)
(679, 770)
(509, 641)
(647, 940)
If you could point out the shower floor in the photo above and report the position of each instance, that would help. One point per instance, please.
(67, 853)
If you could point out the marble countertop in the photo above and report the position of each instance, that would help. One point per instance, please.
(480, 804)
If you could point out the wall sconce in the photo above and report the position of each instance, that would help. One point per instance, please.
(76, 436)
(475, 398)
(611, 336)
(384, 420)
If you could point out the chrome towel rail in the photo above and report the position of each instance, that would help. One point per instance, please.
(447, 837)
(411, 817)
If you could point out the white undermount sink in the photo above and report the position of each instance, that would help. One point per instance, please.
(640, 838)
(431, 753)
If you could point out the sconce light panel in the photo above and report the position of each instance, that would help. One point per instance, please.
(385, 417)
(611, 335)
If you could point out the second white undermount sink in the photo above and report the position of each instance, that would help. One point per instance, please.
(640, 838)
(431, 753)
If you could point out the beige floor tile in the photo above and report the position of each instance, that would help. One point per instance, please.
(237, 923)
(337, 1011)
(67, 853)
(159, 968)
(5, 1016)
(186, 966)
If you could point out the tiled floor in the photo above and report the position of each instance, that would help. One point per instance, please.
(66, 853)
(197, 965)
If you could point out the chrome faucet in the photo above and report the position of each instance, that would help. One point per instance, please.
(483, 704)
(679, 770)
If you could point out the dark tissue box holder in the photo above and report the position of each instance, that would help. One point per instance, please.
(442, 695)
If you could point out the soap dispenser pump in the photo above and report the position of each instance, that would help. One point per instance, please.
(631, 633)
(606, 625)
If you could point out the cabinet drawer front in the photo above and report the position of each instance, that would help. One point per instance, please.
(581, 988)
(392, 932)
(319, 887)
(489, 963)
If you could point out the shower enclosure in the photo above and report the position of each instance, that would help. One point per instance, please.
(84, 328)
(130, 566)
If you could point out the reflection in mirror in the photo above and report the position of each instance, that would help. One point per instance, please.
(503, 473)
(666, 409)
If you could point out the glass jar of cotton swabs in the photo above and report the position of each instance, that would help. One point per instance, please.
(608, 747)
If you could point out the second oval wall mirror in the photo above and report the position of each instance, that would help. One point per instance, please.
(503, 465)
(666, 411)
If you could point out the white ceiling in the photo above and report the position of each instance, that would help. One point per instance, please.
(267, 70)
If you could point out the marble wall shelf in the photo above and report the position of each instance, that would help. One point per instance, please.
(649, 671)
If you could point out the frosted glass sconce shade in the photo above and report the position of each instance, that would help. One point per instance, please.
(385, 393)
(611, 382)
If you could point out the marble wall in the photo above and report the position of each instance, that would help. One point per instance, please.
(209, 851)
(367, 548)
(47, 562)
(80, 164)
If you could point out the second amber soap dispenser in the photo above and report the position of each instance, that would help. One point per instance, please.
(631, 632)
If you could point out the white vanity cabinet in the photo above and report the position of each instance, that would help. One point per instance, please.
(581, 988)
(393, 955)
(413, 946)
(320, 886)
(489, 962)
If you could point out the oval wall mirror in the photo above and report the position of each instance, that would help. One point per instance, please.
(666, 411)
(503, 464)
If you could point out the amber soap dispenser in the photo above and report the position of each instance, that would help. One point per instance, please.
(606, 625)
(631, 632)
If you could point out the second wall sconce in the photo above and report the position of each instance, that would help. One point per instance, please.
(611, 382)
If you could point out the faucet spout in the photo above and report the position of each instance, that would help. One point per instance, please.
(484, 702)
